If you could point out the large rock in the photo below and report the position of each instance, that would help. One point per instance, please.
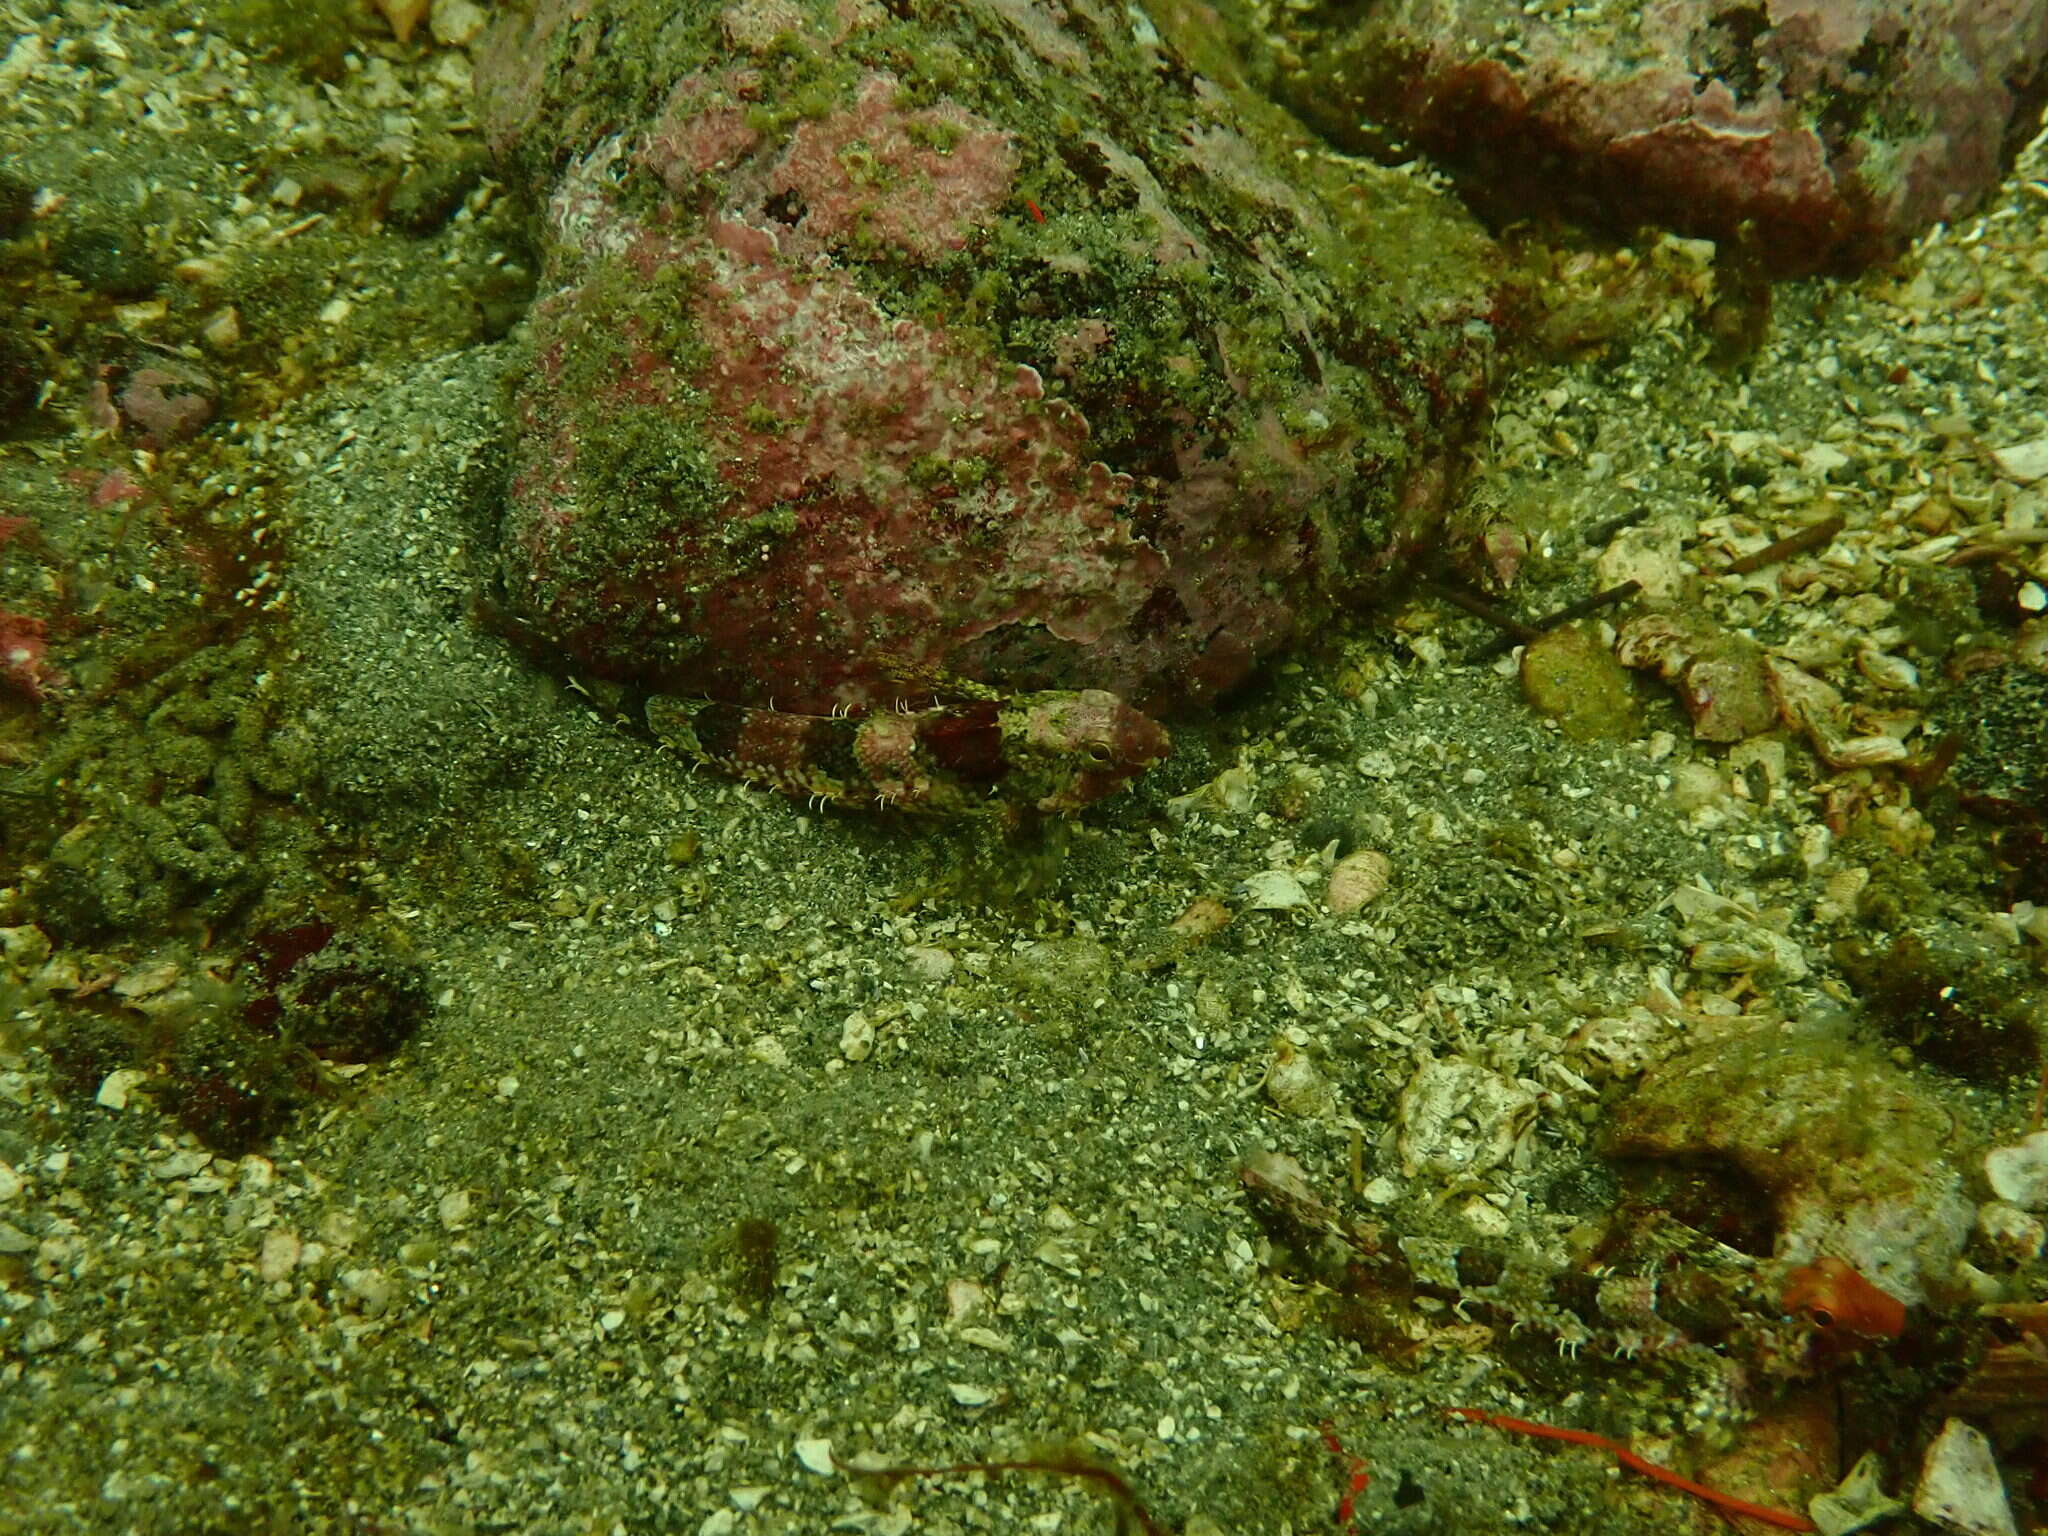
(1835, 130)
(992, 339)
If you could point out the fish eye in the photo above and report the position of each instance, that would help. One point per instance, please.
(1098, 753)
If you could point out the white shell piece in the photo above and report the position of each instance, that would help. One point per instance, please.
(2018, 1174)
(2024, 462)
(1274, 890)
(1959, 1487)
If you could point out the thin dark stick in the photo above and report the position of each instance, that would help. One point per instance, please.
(1480, 608)
(1818, 536)
(1607, 597)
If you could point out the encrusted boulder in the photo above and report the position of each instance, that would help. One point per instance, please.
(1859, 1162)
(1827, 133)
(996, 341)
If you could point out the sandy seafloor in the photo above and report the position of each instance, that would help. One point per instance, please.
(515, 1278)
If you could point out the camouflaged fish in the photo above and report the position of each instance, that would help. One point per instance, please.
(1009, 758)
(1685, 1297)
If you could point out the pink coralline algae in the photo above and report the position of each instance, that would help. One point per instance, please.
(24, 651)
(167, 403)
(1827, 133)
(161, 402)
(887, 352)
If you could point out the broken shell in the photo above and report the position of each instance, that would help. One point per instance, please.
(2019, 1174)
(1356, 879)
(118, 1085)
(148, 978)
(815, 1456)
(1866, 752)
(1229, 793)
(1887, 670)
(1959, 1487)
(1842, 895)
(965, 1299)
(1857, 1502)
(1273, 890)
(2024, 462)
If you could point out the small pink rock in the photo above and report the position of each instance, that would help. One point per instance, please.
(167, 403)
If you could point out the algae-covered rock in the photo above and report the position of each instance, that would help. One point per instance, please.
(1825, 134)
(1861, 1164)
(995, 341)
(1569, 676)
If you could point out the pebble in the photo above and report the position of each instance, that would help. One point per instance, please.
(279, 1255)
(456, 23)
(1569, 675)
(224, 330)
(857, 1037)
(1959, 1487)
(24, 948)
(929, 961)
